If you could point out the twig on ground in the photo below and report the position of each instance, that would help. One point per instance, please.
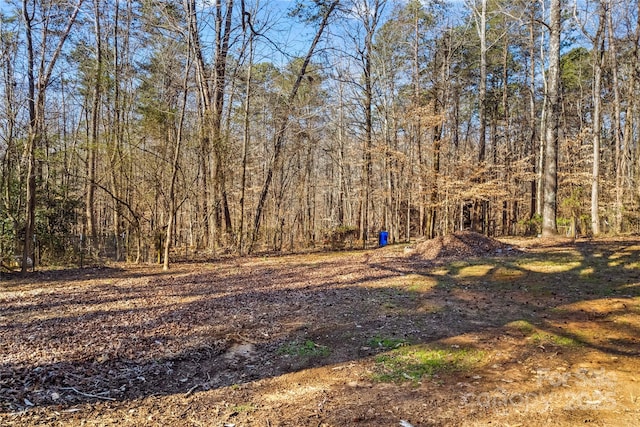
(88, 394)
(191, 390)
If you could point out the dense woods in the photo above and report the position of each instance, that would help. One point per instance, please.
(145, 130)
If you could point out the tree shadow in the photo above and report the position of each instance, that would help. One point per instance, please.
(40, 277)
(179, 333)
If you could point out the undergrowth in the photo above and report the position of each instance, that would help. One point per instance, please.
(413, 363)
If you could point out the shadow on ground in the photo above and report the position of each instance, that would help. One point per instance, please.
(116, 335)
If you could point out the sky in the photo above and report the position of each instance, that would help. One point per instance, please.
(296, 36)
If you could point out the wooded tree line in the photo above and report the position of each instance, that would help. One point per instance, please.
(144, 130)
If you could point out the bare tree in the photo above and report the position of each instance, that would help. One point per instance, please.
(368, 12)
(90, 215)
(480, 17)
(598, 40)
(246, 137)
(211, 89)
(550, 189)
(598, 62)
(284, 121)
(173, 204)
(8, 132)
(617, 114)
(41, 62)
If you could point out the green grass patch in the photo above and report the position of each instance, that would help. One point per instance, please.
(389, 305)
(546, 338)
(442, 271)
(427, 307)
(244, 408)
(420, 284)
(538, 337)
(551, 266)
(307, 348)
(601, 291)
(523, 326)
(476, 270)
(412, 363)
(560, 310)
(458, 264)
(632, 265)
(387, 343)
(587, 272)
(506, 274)
(415, 283)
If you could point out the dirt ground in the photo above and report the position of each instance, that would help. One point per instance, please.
(524, 333)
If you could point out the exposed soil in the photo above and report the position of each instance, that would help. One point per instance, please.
(490, 335)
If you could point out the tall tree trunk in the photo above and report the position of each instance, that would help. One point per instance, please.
(368, 140)
(204, 94)
(117, 159)
(122, 112)
(439, 102)
(544, 115)
(211, 90)
(370, 19)
(343, 188)
(617, 114)
(598, 52)
(9, 50)
(284, 120)
(31, 140)
(116, 132)
(509, 152)
(417, 132)
(481, 24)
(245, 145)
(223, 34)
(532, 113)
(37, 86)
(549, 209)
(94, 136)
(480, 16)
(632, 107)
(175, 165)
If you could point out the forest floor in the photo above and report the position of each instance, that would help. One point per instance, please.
(526, 332)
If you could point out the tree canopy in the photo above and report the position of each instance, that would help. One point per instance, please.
(142, 130)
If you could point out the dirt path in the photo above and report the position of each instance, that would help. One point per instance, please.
(549, 335)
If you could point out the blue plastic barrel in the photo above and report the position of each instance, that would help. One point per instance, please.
(383, 238)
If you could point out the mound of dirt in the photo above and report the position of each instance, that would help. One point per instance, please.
(462, 244)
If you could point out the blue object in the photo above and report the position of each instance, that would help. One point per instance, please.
(383, 238)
